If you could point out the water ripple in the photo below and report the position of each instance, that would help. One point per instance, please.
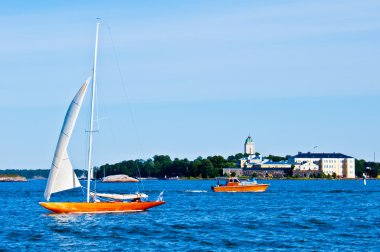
(315, 215)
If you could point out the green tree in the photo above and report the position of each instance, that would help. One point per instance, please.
(218, 161)
(359, 167)
(373, 169)
(180, 167)
(204, 168)
(231, 159)
(162, 165)
(148, 169)
(321, 175)
(235, 158)
(276, 158)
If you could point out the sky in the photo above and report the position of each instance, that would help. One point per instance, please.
(190, 78)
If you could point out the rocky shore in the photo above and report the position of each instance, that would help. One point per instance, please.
(12, 178)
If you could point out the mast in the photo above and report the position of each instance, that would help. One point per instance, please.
(89, 171)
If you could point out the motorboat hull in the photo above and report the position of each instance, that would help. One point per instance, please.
(99, 207)
(241, 188)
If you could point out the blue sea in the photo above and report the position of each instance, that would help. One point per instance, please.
(292, 215)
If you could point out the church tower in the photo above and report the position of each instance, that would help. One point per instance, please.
(249, 147)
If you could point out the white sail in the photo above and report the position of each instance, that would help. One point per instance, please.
(62, 176)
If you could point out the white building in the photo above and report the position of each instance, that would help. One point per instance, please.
(251, 160)
(307, 166)
(328, 163)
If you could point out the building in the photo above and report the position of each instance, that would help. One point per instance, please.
(267, 172)
(302, 164)
(268, 168)
(270, 165)
(329, 163)
(249, 146)
(306, 168)
(256, 165)
(251, 160)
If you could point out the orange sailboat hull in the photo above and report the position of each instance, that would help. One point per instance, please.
(99, 207)
(241, 188)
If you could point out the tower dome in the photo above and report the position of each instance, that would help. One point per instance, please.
(249, 146)
(248, 140)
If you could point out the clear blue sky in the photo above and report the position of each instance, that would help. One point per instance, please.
(196, 77)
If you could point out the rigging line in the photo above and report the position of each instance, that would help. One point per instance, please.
(87, 126)
(127, 100)
(96, 173)
(83, 193)
(112, 130)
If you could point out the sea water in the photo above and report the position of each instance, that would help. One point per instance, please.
(302, 215)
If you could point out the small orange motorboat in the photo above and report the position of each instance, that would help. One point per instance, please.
(234, 185)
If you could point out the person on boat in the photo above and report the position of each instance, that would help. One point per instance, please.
(136, 200)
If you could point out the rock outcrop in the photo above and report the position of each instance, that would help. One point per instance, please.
(119, 178)
(12, 178)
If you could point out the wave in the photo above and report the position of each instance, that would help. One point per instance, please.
(196, 191)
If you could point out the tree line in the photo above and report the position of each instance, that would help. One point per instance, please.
(162, 165)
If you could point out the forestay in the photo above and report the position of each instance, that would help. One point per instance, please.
(62, 176)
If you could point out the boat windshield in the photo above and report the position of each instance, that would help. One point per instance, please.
(233, 180)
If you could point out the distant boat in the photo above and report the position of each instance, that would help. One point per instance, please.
(82, 177)
(364, 179)
(62, 176)
(147, 178)
(119, 178)
(38, 177)
(234, 185)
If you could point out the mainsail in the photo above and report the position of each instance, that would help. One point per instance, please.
(62, 176)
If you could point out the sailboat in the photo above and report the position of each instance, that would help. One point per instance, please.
(62, 176)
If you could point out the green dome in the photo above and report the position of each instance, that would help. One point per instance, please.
(249, 140)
